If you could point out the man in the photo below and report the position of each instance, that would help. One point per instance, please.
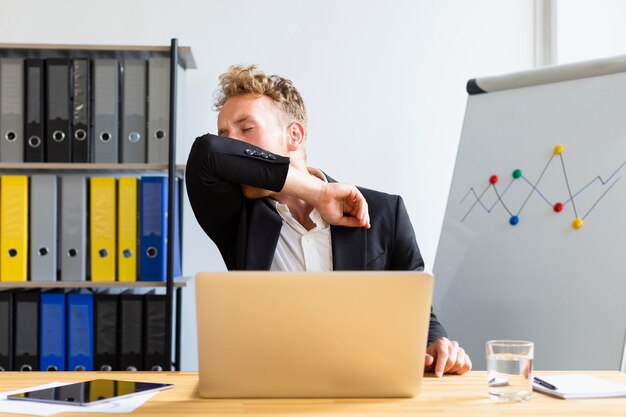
(255, 197)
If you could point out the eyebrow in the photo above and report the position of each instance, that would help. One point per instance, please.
(242, 118)
(239, 120)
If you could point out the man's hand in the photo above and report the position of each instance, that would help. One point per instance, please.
(338, 203)
(446, 357)
(343, 205)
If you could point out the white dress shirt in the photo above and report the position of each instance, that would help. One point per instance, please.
(299, 249)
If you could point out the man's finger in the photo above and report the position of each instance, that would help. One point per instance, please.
(453, 350)
(349, 221)
(459, 363)
(366, 216)
(362, 211)
(359, 206)
(428, 361)
(442, 358)
(467, 367)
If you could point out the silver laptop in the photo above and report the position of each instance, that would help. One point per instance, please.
(312, 335)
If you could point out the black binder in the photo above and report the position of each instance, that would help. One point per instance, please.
(81, 108)
(58, 109)
(6, 331)
(155, 342)
(130, 350)
(26, 326)
(105, 332)
(34, 111)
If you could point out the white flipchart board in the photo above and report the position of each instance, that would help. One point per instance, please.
(541, 279)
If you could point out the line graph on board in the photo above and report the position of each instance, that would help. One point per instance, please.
(556, 206)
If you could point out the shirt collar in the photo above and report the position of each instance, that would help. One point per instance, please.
(283, 209)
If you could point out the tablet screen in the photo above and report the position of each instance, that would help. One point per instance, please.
(89, 392)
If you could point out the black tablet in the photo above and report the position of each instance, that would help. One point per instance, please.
(89, 392)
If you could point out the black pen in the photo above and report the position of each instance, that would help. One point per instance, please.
(544, 383)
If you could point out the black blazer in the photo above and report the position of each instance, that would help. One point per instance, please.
(246, 231)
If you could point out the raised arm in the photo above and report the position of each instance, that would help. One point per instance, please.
(338, 203)
(217, 168)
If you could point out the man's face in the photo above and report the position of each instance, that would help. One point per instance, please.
(254, 120)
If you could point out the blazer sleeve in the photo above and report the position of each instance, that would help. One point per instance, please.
(216, 168)
(406, 256)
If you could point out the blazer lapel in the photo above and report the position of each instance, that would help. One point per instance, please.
(265, 224)
(349, 248)
(349, 245)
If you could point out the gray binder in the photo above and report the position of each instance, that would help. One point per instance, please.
(133, 137)
(106, 110)
(81, 108)
(11, 110)
(43, 228)
(73, 227)
(158, 110)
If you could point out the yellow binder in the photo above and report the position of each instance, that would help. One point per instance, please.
(127, 230)
(102, 199)
(14, 227)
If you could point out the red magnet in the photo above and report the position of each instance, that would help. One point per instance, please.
(558, 207)
(493, 179)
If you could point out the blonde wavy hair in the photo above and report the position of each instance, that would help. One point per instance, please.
(240, 80)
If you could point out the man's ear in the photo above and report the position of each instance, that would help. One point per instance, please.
(296, 136)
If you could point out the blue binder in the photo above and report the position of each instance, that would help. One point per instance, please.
(153, 220)
(79, 332)
(52, 332)
(153, 231)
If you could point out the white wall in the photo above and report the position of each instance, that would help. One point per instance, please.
(589, 30)
(384, 81)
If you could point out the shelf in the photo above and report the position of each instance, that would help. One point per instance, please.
(178, 283)
(180, 58)
(185, 55)
(48, 166)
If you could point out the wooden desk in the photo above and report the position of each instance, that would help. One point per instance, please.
(450, 396)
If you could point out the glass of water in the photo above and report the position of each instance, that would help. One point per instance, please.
(510, 370)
